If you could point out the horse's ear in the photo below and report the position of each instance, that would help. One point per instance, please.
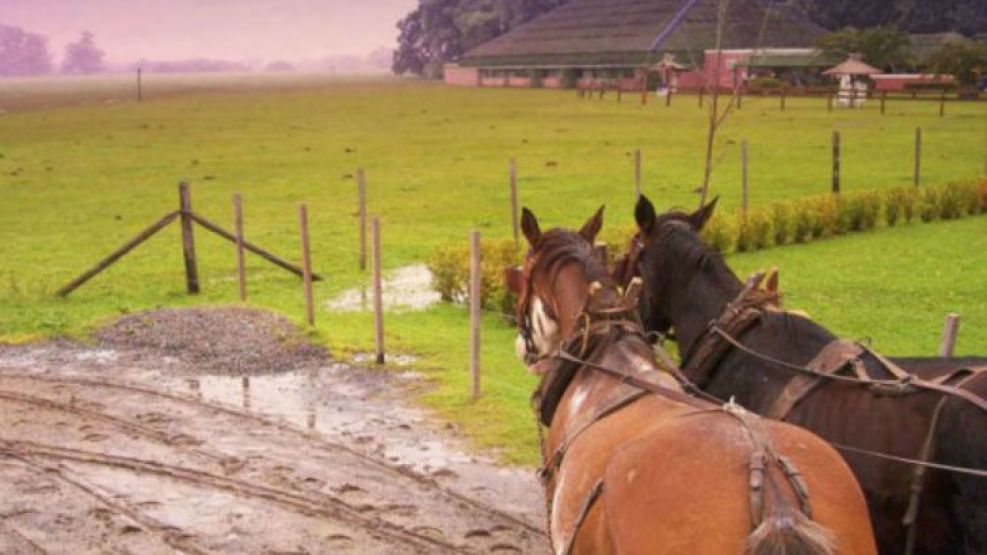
(645, 215)
(512, 278)
(592, 226)
(699, 218)
(529, 225)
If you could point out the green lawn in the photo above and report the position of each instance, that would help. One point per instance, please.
(78, 180)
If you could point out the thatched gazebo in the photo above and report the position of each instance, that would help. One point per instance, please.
(853, 74)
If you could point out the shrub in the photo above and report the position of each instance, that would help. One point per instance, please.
(982, 195)
(827, 216)
(909, 203)
(929, 205)
(450, 267)
(958, 199)
(804, 221)
(862, 210)
(781, 222)
(743, 242)
(759, 224)
(893, 200)
(716, 234)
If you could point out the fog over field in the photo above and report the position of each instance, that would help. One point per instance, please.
(258, 31)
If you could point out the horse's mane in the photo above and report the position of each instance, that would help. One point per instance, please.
(558, 246)
(684, 241)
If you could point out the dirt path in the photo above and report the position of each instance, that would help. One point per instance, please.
(125, 451)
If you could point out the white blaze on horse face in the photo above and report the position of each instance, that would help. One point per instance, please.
(544, 332)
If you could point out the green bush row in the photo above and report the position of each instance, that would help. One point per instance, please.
(450, 267)
(781, 223)
(811, 218)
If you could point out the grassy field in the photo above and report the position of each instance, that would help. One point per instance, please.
(81, 175)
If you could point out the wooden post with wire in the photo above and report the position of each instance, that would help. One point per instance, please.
(637, 174)
(918, 156)
(476, 276)
(306, 265)
(378, 292)
(743, 176)
(361, 192)
(949, 331)
(836, 162)
(188, 239)
(241, 270)
(514, 214)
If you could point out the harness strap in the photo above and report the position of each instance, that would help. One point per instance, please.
(910, 383)
(554, 462)
(594, 494)
(918, 472)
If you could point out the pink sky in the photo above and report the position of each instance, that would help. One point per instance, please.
(230, 29)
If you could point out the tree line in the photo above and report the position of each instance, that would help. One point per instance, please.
(25, 53)
(440, 31)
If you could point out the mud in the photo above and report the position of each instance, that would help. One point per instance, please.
(129, 450)
(406, 288)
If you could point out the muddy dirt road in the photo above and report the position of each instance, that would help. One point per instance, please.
(124, 451)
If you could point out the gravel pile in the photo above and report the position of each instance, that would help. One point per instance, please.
(232, 341)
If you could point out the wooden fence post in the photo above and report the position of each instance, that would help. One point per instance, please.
(514, 213)
(188, 239)
(836, 162)
(378, 291)
(942, 103)
(476, 275)
(241, 271)
(140, 85)
(668, 98)
(744, 184)
(306, 265)
(829, 102)
(949, 330)
(619, 94)
(918, 156)
(361, 191)
(637, 174)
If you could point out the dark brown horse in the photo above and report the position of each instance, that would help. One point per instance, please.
(688, 288)
(632, 465)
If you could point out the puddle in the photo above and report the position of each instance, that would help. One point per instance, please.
(408, 288)
(336, 401)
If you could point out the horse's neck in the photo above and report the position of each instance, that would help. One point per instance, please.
(698, 299)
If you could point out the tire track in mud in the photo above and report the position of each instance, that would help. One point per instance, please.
(308, 505)
(167, 534)
(312, 438)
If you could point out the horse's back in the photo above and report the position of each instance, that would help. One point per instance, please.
(668, 493)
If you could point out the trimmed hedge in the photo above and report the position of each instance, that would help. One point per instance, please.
(800, 221)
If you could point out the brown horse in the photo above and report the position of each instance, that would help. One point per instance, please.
(632, 464)
(755, 353)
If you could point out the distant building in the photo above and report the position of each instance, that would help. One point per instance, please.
(673, 40)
